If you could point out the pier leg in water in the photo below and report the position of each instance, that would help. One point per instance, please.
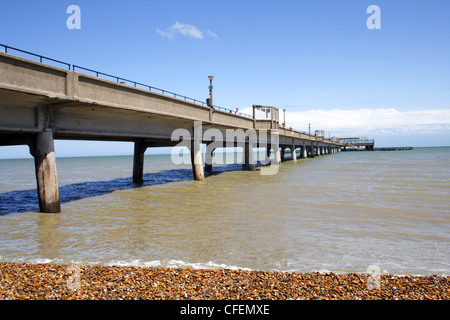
(138, 161)
(312, 149)
(277, 156)
(249, 161)
(43, 151)
(305, 152)
(196, 154)
(208, 158)
(294, 153)
(267, 158)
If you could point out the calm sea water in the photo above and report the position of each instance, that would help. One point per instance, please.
(341, 213)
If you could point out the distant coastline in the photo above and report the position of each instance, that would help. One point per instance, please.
(393, 149)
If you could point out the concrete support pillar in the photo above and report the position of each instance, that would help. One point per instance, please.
(282, 151)
(249, 159)
(294, 153)
(196, 155)
(278, 156)
(138, 161)
(267, 160)
(209, 157)
(43, 151)
(305, 152)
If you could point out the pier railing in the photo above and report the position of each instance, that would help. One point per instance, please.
(41, 57)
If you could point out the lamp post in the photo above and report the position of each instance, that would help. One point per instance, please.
(211, 78)
(309, 128)
(284, 117)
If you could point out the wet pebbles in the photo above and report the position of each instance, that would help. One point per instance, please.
(79, 282)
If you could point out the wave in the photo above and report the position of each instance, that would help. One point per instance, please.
(177, 264)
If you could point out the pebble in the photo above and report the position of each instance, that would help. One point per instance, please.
(24, 281)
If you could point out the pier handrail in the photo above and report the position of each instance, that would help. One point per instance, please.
(41, 57)
(136, 84)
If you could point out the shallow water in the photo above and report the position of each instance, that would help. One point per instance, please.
(342, 213)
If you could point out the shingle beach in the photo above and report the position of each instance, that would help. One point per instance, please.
(23, 281)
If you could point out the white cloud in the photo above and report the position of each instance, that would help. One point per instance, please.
(183, 29)
(369, 122)
(165, 34)
(379, 121)
(212, 34)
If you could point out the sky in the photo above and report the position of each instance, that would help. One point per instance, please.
(321, 60)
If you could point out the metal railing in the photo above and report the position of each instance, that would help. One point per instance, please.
(125, 81)
(41, 58)
(233, 112)
(136, 84)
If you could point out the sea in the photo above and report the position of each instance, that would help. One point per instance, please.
(345, 212)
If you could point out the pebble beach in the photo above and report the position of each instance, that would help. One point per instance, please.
(24, 281)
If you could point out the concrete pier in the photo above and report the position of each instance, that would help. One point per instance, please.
(40, 103)
(278, 156)
(294, 153)
(249, 158)
(138, 161)
(196, 154)
(267, 160)
(197, 163)
(43, 151)
(209, 157)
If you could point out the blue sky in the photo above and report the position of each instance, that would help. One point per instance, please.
(315, 58)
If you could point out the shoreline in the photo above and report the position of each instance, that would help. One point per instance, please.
(43, 281)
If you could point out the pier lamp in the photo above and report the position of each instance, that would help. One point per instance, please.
(284, 117)
(211, 78)
(309, 128)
